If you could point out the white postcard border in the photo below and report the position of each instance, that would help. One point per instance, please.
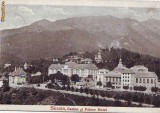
(113, 3)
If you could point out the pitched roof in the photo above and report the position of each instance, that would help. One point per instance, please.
(146, 74)
(38, 73)
(139, 67)
(18, 72)
(128, 71)
(86, 59)
(73, 65)
(3, 78)
(113, 74)
(120, 69)
(56, 66)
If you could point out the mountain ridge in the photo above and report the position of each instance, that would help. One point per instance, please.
(49, 39)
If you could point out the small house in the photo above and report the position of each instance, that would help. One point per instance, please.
(3, 80)
(17, 77)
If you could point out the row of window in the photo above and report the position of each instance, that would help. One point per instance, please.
(125, 84)
(125, 80)
(113, 79)
(145, 80)
(125, 76)
(116, 83)
(77, 71)
(126, 73)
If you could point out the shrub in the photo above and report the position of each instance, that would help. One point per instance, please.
(126, 87)
(128, 96)
(68, 87)
(76, 89)
(72, 88)
(86, 90)
(154, 89)
(117, 103)
(6, 99)
(63, 87)
(102, 94)
(81, 90)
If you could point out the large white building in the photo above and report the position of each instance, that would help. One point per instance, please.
(119, 77)
(123, 76)
(70, 68)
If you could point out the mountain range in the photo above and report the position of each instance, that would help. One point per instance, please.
(46, 39)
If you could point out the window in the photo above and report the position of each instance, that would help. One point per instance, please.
(151, 81)
(144, 80)
(140, 81)
(113, 79)
(136, 80)
(147, 80)
(116, 79)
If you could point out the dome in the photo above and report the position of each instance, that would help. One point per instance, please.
(120, 66)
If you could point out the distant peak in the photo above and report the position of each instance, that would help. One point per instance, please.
(42, 22)
(45, 20)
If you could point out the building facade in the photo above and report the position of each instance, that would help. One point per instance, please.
(17, 77)
(3, 80)
(122, 76)
(100, 76)
(70, 68)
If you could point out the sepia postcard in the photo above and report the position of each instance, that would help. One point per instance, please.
(80, 56)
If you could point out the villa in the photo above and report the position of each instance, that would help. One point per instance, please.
(17, 77)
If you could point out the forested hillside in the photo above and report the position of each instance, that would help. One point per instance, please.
(111, 58)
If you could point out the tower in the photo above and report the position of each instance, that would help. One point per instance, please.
(25, 66)
(120, 64)
(98, 57)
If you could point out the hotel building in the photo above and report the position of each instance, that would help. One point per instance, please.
(123, 76)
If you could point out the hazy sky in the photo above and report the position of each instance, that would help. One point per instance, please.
(22, 15)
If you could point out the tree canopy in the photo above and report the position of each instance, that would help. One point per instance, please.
(75, 78)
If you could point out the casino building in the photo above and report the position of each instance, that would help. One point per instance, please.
(70, 68)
